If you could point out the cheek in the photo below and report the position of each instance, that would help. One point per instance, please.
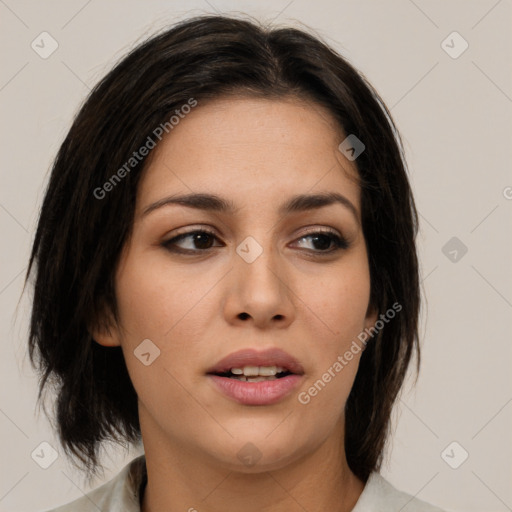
(156, 305)
(334, 354)
(337, 307)
(169, 306)
(155, 300)
(339, 303)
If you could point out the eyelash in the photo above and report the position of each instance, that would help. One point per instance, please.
(339, 242)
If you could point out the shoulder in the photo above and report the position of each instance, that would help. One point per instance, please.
(120, 494)
(380, 496)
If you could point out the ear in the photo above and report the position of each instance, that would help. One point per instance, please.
(105, 331)
(372, 314)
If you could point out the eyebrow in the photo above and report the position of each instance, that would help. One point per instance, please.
(212, 202)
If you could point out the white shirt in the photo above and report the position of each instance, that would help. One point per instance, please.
(121, 494)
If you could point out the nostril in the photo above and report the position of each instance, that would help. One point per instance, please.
(243, 316)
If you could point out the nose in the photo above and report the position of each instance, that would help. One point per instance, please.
(259, 292)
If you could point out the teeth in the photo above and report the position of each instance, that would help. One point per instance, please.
(251, 371)
(268, 370)
(261, 379)
(255, 371)
(253, 379)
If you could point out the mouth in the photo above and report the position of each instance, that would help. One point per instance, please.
(253, 377)
(255, 373)
(250, 363)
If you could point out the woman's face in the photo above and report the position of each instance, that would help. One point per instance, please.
(261, 278)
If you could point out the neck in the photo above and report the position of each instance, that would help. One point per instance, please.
(180, 480)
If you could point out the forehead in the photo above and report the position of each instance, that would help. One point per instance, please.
(253, 150)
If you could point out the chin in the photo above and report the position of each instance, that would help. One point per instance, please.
(260, 453)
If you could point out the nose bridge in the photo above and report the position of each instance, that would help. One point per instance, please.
(259, 266)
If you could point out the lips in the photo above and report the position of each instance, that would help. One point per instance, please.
(250, 391)
(252, 357)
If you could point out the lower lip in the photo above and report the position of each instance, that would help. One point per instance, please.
(265, 392)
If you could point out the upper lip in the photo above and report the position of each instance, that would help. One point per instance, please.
(253, 357)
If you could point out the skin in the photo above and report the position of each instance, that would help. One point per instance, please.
(257, 153)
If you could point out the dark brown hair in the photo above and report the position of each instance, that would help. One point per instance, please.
(80, 236)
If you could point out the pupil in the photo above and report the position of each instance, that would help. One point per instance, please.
(326, 240)
(200, 239)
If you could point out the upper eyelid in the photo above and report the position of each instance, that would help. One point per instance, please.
(310, 231)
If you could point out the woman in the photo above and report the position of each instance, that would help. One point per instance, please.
(225, 269)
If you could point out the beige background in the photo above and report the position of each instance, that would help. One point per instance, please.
(455, 117)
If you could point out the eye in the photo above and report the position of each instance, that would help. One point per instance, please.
(325, 241)
(196, 241)
(201, 240)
